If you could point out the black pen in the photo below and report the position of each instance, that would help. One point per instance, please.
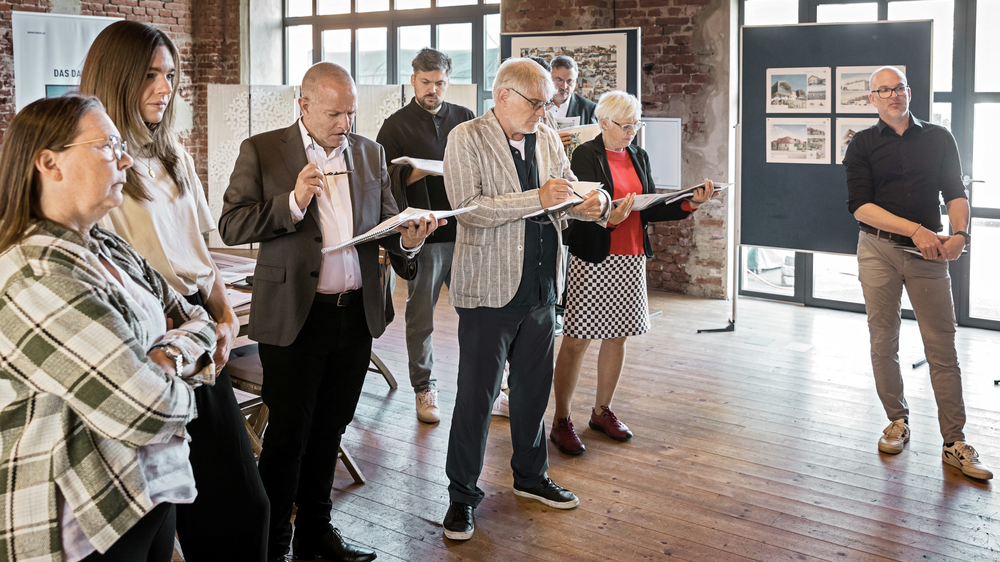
(570, 185)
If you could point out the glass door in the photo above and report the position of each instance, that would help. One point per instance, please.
(979, 304)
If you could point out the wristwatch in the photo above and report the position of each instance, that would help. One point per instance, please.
(964, 234)
(178, 358)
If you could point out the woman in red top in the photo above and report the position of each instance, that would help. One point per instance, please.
(606, 293)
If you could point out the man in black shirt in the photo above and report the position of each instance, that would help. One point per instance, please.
(897, 172)
(420, 130)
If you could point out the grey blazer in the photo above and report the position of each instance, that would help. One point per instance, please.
(489, 246)
(255, 209)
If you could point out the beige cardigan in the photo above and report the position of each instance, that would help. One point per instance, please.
(489, 246)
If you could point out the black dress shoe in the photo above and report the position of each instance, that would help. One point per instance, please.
(331, 546)
(549, 493)
(459, 523)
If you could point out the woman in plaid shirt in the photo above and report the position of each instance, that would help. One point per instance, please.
(95, 387)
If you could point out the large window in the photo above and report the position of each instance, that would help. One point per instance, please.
(966, 101)
(377, 39)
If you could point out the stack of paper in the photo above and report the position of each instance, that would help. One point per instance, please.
(435, 167)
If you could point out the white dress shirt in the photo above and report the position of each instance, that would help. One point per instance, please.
(339, 271)
(560, 110)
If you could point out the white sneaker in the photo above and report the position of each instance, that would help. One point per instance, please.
(963, 456)
(501, 406)
(894, 436)
(427, 409)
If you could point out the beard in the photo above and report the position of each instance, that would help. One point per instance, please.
(429, 106)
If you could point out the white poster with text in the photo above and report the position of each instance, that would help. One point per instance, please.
(49, 50)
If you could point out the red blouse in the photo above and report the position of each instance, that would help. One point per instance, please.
(626, 238)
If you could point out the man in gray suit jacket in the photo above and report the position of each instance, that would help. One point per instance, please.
(504, 283)
(296, 191)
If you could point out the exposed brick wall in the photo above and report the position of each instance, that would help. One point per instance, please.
(684, 74)
(206, 33)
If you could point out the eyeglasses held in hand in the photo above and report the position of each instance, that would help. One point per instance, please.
(886, 93)
(535, 104)
(347, 157)
(630, 128)
(116, 143)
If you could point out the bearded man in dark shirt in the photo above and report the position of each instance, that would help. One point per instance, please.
(420, 130)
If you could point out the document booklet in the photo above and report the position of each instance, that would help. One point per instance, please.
(567, 122)
(645, 201)
(388, 226)
(435, 167)
(580, 191)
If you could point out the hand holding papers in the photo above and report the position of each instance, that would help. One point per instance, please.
(578, 191)
(388, 226)
(432, 167)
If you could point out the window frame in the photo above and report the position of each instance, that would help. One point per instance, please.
(392, 19)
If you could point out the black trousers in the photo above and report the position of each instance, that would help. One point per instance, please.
(487, 337)
(228, 519)
(312, 388)
(150, 540)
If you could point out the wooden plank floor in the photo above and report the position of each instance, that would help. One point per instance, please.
(759, 444)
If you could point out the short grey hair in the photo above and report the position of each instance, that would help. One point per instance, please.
(871, 79)
(524, 75)
(431, 60)
(617, 105)
(562, 61)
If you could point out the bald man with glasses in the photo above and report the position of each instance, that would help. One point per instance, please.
(898, 171)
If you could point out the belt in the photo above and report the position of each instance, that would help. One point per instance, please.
(892, 237)
(347, 298)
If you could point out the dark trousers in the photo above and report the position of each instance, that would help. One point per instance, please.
(228, 519)
(312, 388)
(150, 540)
(487, 337)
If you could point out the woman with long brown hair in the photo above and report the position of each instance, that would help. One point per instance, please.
(132, 68)
(98, 355)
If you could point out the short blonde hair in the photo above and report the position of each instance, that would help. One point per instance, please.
(523, 75)
(617, 105)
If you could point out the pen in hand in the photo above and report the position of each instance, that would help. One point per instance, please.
(555, 177)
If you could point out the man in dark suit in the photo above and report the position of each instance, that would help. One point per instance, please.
(296, 191)
(567, 103)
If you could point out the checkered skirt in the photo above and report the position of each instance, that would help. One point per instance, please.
(608, 299)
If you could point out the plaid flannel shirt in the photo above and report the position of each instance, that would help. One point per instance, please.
(78, 394)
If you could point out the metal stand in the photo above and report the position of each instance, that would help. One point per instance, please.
(735, 261)
(919, 363)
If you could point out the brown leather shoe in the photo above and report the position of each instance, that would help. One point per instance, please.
(565, 437)
(607, 423)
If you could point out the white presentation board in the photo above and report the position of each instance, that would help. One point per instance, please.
(662, 141)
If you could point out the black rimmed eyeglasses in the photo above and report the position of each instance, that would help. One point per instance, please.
(347, 158)
(118, 146)
(535, 104)
(886, 93)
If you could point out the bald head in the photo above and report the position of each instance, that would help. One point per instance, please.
(328, 103)
(325, 75)
(888, 76)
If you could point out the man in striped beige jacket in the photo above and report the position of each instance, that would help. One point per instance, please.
(504, 283)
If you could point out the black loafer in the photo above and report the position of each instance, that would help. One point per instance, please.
(549, 493)
(459, 523)
(331, 546)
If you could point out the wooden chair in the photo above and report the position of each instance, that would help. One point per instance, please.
(248, 377)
